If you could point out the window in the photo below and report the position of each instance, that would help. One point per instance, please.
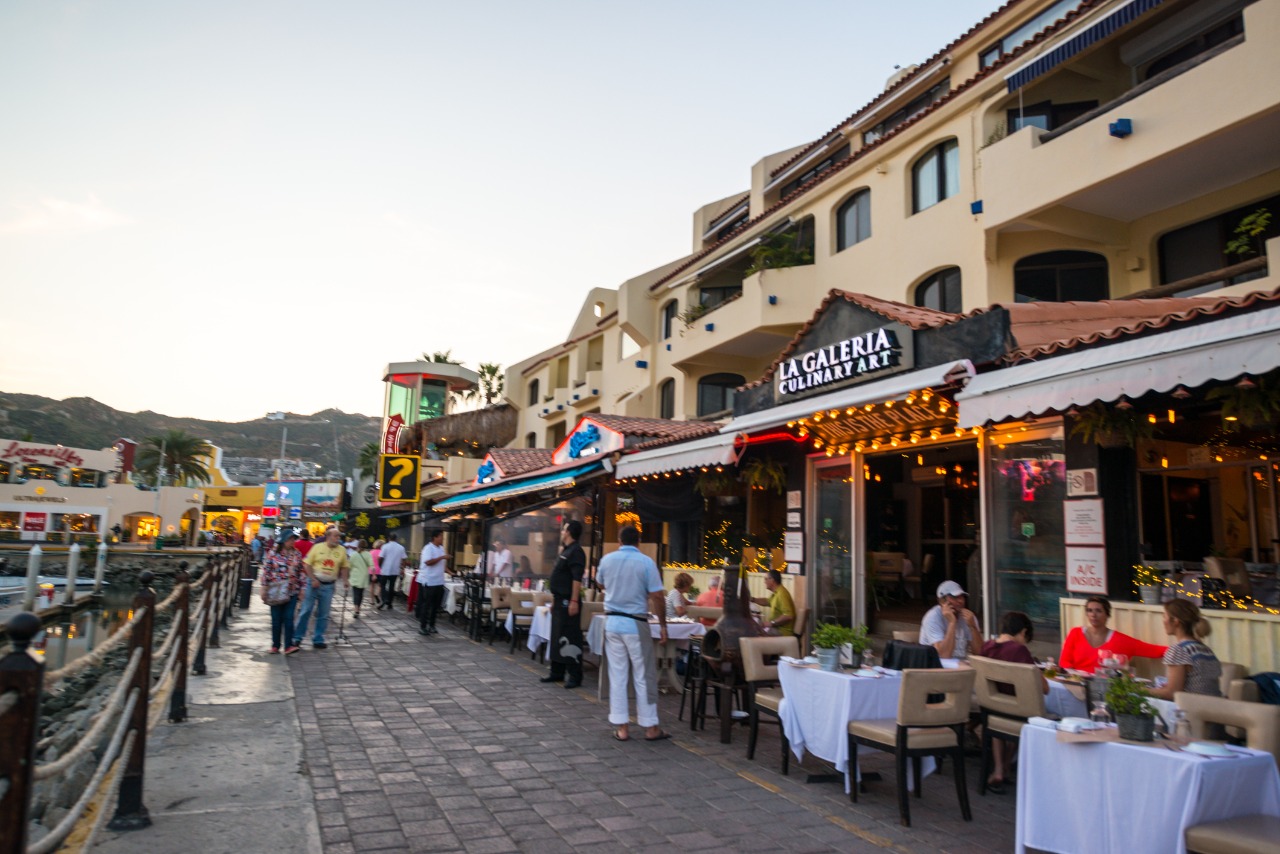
(837, 156)
(914, 108)
(669, 313)
(533, 393)
(87, 477)
(1060, 277)
(556, 434)
(1025, 33)
(1201, 247)
(715, 393)
(595, 353)
(667, 399)
(1202, 43)
(531, 440)
(941, 291)
(935, 176)
(1047, 115)
(709, 298)
(853, 220)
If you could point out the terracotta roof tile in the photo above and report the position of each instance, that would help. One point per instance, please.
(514, 461)
(911, 316)
(659, 429)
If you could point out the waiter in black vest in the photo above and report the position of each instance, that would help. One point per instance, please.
(566, 624)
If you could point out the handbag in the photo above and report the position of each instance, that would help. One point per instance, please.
(278, 592)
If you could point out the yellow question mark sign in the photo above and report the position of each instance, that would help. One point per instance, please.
(403, 468)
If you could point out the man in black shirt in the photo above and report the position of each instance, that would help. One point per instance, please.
(566, 624)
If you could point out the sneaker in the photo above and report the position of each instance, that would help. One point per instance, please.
(290, 650)
(275, 649)
(356, 615)
(423, 631)
(321, 645)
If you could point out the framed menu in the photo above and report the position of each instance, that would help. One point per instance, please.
(1083, 524)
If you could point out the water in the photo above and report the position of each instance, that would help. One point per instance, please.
(63, 643)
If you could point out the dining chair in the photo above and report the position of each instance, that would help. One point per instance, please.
(1007, 694)
(763, 692)
(691, 683)
(800, 624)
(1246, 834)
(522, 608)
(702, 612)
(499, 605)
(1260, 721)
(907, 637)
(921, 729)
(587, 611)
(1232, 571)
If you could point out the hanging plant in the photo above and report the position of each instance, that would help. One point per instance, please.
(767, 474)
(1111, 427)
(1255, 405)
(711, 483)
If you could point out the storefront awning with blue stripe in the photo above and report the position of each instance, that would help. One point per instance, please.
(511, 488)
(1122, 17)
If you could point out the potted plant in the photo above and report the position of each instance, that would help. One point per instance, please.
(1111, 427)
(857, 644)
(830, 639)
(1148, 580)
(765, 474)
(1128, 700)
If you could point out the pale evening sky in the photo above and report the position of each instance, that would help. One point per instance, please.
(223, 209)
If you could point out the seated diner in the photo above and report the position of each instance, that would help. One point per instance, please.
(950, 627)
(678, 598)
(779, 616)
(1016, 631)
(1087, 646)
(1190, 665)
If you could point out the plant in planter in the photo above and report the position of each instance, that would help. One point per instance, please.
(780, 249)
(1148, 581)
(1129, 701)
(1257, 404)
(830, 638)
(1111, 427)
(765, 474)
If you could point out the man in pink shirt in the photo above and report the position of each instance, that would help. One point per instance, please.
(712, 597)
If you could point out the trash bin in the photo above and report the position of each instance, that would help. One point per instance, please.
(246, 592)
(159, 543)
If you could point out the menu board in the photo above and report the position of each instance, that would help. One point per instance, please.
(1082, 523)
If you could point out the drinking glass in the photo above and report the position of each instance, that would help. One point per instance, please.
(1181, 729)
(1099, 715)
(869, 659)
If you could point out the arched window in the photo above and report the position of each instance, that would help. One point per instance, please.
(669, 312)
(667, 399)
(715, 392)
(531, 440)
(1060, 276)
(935, 176)
(941, 291)
(853, 220)
(533, 393)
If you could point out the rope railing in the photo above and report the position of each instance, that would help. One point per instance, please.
(89, 740)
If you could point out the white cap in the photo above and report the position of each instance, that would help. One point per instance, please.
(950, 588)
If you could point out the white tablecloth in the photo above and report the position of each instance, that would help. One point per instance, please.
(819, 704)
(675, 632)
(1063, 702)
(1131, 799)
(539, 629)
(678, 635)
(453, 590)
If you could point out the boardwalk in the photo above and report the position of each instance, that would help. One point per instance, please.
(410, 743)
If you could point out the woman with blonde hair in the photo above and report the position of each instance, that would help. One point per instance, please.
(1189, 663)
(678, 599)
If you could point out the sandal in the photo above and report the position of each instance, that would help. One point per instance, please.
(662, 736)
(617, 737)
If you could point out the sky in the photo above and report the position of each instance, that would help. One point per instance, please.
(219, 210)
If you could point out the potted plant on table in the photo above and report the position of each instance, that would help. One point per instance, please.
(829, 639)
(1129, 701)
(1148, 580)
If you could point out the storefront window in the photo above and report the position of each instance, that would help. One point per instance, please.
(1027, 488)
(431, 404)
(832, 544)
(4, 472)
(33, 472)
(86, 477)
(10, 526)
(533, 538)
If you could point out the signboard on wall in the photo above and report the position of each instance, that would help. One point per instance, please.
(1082, 482)
(1087, 570)
(793, 546)
(1082, 523)
(34, 521)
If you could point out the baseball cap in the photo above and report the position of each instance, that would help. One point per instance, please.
(950, 588)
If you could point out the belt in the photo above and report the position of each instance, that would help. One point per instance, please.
(327, 582)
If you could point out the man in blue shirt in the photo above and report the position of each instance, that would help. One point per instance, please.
(632, 589)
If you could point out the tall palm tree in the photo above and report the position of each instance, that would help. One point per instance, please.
(184, 458)
(368, 461)
(492, 381)
(443, 357)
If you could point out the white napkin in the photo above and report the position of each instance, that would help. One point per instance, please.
(1043, 723)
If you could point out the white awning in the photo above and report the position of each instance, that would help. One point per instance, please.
(893, 387)
(1218, 350)
(714, 450)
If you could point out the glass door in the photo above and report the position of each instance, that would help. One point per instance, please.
(832, 536)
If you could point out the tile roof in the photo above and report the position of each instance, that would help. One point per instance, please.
(861, 153)
(515, 461)
(659, 430)
(1047, 328)
(911, 316)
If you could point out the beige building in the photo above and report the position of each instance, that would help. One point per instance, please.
(1056, 151)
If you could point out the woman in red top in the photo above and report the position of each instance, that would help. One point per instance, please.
(1084, 646)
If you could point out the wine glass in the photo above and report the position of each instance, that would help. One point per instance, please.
(1100, 716)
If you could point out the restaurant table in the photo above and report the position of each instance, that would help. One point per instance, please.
(1067, 701)
(539, 629)
(452, 590)
(678, 635)
(818, 705)
(1114, 796)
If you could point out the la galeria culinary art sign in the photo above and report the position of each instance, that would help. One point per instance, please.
(851, 358)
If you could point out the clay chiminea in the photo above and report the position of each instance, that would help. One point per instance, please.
(720, 649)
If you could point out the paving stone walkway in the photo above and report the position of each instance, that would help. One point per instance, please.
(441, 744)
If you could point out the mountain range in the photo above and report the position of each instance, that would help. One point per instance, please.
(82, 422)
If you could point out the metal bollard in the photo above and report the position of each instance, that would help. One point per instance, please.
(73, 569)
(182, 624)
(33, 578)
(131, 814)
(21, 677)
(100, 568)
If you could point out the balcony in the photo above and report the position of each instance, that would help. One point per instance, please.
(752, 327)
(586, 390)
(1208, 123)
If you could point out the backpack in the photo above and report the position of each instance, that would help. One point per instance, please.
(1268, 687)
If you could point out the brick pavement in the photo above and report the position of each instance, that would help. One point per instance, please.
(442, 744)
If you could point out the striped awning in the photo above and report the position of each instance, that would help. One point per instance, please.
(511, 488)
(718, 449)
(1121, 17)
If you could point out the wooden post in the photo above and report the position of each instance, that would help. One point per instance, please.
(181, 623)
(131, 814)
(197, 666)
(21, 678)
(215, 603)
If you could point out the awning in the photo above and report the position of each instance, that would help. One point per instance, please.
(715, 450)
(1219, 350)
(511, 488)
(1121, 17)
(891, 387)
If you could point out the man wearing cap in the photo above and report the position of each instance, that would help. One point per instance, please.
(950, 627)
(325, 564)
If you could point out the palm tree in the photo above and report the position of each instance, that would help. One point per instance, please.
(368, 461)
(182, 464)
(444, 358)
(492, 380)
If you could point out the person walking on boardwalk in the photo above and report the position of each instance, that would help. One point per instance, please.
(281, 581)
(566, 593)
(430, 583)
(324, 566)
(361, 564)
(632, 590)
(390, 558)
